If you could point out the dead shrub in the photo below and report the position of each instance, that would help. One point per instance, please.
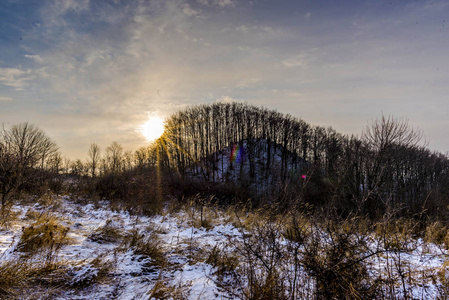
(335, 255)
(265, 267)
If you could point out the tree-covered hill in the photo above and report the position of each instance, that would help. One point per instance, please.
(386, 167)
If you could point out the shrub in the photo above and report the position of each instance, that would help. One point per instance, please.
(335, 255)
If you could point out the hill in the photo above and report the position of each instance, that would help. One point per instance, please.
(385, 167)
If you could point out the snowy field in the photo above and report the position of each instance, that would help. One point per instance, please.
(187, 248)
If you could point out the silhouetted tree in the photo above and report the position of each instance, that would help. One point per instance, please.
(24, 148)
(94, 159)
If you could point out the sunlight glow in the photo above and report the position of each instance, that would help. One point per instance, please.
(153, 128)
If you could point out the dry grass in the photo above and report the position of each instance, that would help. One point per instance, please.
(109, 233)
(224, 262)
(148, 245)
(295, 228)
(18, 276)
(90, 271)
(13, 275)
(202, 216)
(165, 290)
(45, 236)
(32, 215)
(438, 234)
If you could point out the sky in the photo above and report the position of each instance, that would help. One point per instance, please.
(95, 71)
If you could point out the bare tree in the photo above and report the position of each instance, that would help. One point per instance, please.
(23, 148)
(29, 144)
(8, 177)
(94, 158)
(114, 157)
(388, 131)
(54, 163)
(77, 168)
(388, 139)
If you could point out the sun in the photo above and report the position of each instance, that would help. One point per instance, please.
(153, 128)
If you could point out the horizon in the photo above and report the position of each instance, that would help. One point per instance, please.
(96, 72)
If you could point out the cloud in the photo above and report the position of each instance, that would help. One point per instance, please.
(106, 64)
(14, 77)
(224, 3)
(6, 99)
(188, 10)
(242, 28)
(248, 82)
(63, 6)
(219, 3)
(299, 61)
(35, 58)
(227, 99)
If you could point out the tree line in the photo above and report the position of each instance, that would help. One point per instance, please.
(245, 152)
(387, 166)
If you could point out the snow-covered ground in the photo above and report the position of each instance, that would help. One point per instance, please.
(186, 247)
(132, 275)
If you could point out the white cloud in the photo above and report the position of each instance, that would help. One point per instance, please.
(227, 99)
(248, 82)
(75, 5)
(35, 58)
(188, 10)
(220, 3)
(242, 28)
(150, 55)
(224, 3)
(14, 77)
(3, 98)
(299, 61)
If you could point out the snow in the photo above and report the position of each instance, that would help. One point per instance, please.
(133, 280)
(133, 276)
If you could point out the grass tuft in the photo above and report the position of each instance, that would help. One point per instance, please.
(45, 235)
(108, 233)
(146, 245)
